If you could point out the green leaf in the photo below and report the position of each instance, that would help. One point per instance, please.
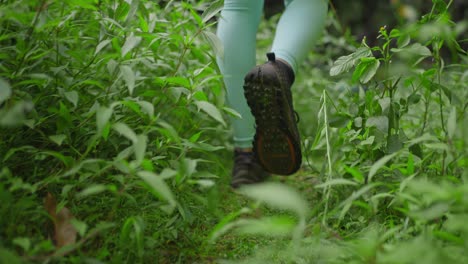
(86, 4)
(103, 115)
(58, 139)
(334, 182)
(182, 81)
(380, 122)
(125, 131)
(423, 138)
(366, 69)
(158, 186)
(16, 115)
(130, 43)
(415, 49)
(272, 226)
(346, 204)
(92, 190)
(147, 107)
(345, 63)
(140, 148)
(72, 97)
(80, 226)
(212, 10)
(403, 40)
(211, 110)
(434, 211)
(356, 173)
(23, 242)
(195, 137)
(277, 195)
(215, 43)
(232, 112)
(5, 91)
(129, 77)
(379, 164)
(452, 123)
(102, 45)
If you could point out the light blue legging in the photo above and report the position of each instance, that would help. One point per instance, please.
(299, 27)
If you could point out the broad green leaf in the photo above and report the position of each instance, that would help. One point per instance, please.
(367, 141)
(86, 4)
(103, 115)
(277, 195)
(5, 91)
(215, 43)
(129, 77)
(92, 190)
(182, 81)
(130, 43)
(449, 237)
(415, 49)
(58, 139)
(356, 173)
(437, 146)
(211, 110)
(423, 138)
(140, 148)
(434, 211)
(147, 107)
(158, 186)
(196, 17)
(403, 41)
(366, 69)
(111, 66)
(195, 137)
(80, 165)
(133, 9)
(379, 164)
(226, 224)
(380, 122)
(205, 183)
(80, 226)
(346, 204)
(212, 10)
(16, 115)
(452, 123)
(345, 63)
(232, 112)
(168, 130)
(457, 223)
(101, 45)
(266, 226)
(23, 242)
(334, 182)
(67, 160)
(72, 97)
(125, 131)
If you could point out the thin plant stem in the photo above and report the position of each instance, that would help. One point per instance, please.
(329, 174)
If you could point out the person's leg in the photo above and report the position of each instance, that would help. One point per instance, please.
(237, 29)
(298, 29)
(268, 87)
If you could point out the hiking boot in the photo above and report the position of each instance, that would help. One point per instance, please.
(246, 170)
(276, 143)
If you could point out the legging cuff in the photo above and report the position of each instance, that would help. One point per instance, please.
(243, 142)
(288, 57)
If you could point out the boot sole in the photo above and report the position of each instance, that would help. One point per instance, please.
(275, 147)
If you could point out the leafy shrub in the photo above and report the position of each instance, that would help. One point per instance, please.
(113, 113)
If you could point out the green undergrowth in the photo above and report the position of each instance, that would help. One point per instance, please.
(116, 109)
